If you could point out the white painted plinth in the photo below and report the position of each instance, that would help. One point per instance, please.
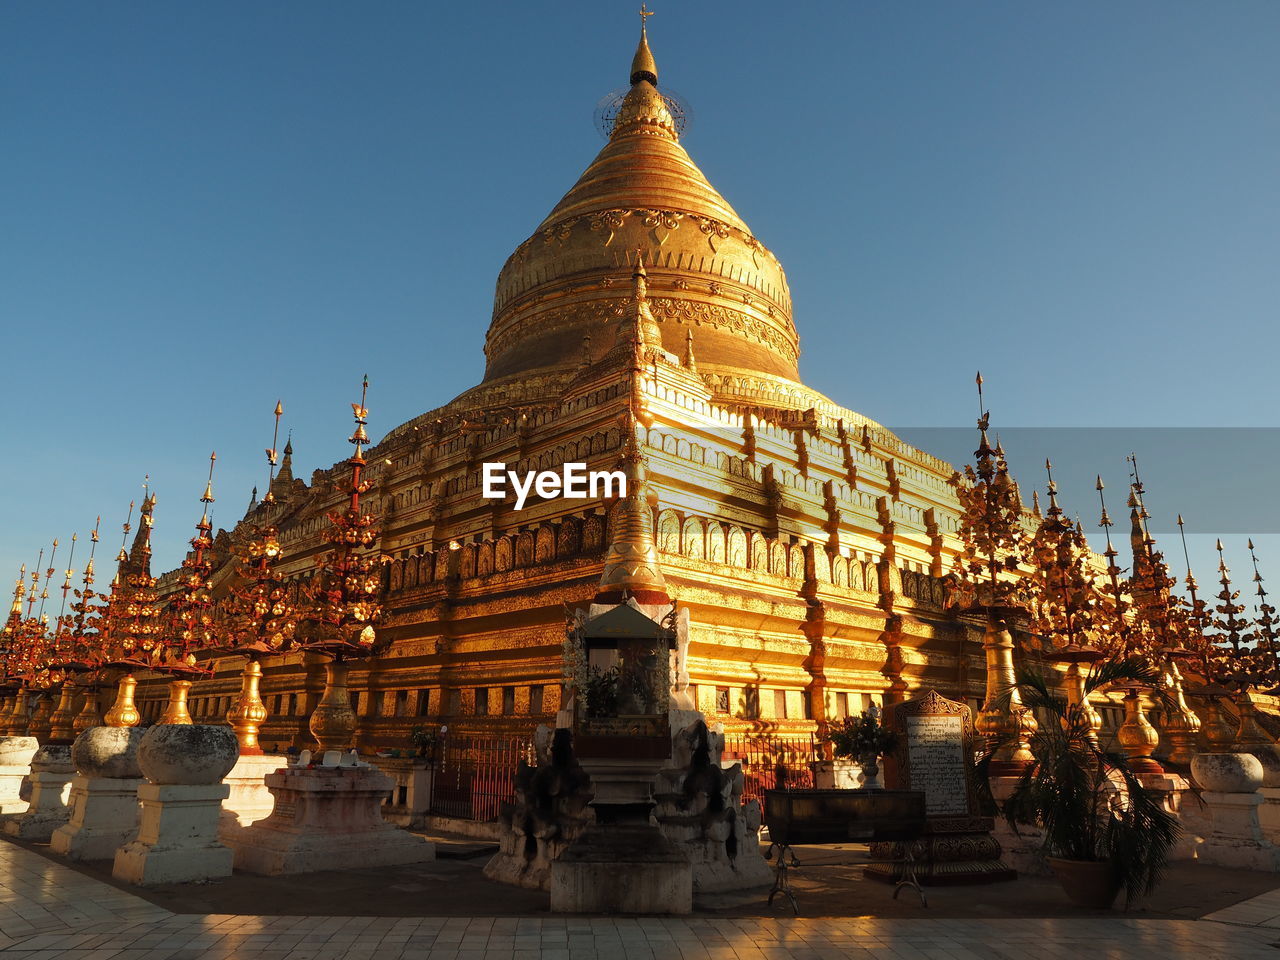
(326, 818)
(104, 817)
(1269, 813)
(1237, 838)
(836, 775)
(16, 754)
(248, 799)
(1023, 849)
(10, 786)
(1169, 788)
(177, 838)
(51, 773)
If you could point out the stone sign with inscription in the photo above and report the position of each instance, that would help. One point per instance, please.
(934, 754)
(935, 760)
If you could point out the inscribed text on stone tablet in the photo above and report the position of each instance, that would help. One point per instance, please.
(935, 747)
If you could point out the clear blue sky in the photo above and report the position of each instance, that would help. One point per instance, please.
(206, 207)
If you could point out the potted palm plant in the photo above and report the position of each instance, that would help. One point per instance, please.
(1103, 831)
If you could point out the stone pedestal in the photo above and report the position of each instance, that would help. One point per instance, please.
(178, 838)
(836, 775)
(410, 802)
(248, 799)
(622, 868)
(1269, 813)
(623, 863)
(104, 794)
(16, 754)
(51, 773)
(1237, 839)
(104, 815)
(325, 818)
(1023, 849)
(1231, 782)
(1170, 788)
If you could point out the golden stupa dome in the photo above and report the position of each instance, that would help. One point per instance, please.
(707, 273)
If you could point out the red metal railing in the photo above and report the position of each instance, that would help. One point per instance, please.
(772, 762)
(475, 775)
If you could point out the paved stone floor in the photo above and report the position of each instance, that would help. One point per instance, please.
(49, 911)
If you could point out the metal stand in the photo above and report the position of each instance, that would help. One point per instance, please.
(907, 872)
(781, 880)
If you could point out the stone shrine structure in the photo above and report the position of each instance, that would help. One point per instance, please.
(326, 815)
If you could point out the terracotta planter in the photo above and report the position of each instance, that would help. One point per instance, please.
(1087, 883)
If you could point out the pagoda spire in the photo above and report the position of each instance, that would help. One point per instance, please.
(643, 66)
(638, 326)
(631, 564)
(15, 609)
(690, 362)
(140, 552)
(285, 475)
(644, 110)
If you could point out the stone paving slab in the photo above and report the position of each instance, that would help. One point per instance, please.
(50, 912)
(1260, 911)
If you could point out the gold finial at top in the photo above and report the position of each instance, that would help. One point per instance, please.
(66, 583)
(207, 497)
(208, 487)
(273, 457)
(643, 66)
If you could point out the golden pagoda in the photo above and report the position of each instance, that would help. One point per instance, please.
(808, 542)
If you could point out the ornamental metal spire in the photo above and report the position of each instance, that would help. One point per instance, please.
(192, 609)
(272, 457)
(643, 66)
(1265, 625)
(347, 588)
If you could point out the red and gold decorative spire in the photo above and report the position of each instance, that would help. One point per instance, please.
(192, 629)
(78, 649)
(260, 616)
(994, 542)
(346, 589)
(1068, 598)
(134, 609)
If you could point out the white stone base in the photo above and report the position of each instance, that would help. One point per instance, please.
(1269, 813)
(1237, 839)
(1171, 789)
(326, 818)
(836, 775)
(178, 837)
(104, 817)
(51, 774)
(11, 778)
(16, 754)
(248, 799)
